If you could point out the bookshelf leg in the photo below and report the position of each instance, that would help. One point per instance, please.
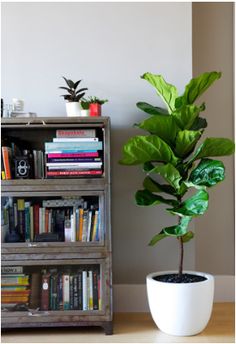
(108, 327)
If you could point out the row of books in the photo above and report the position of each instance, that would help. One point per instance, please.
(74, 153)
(52, 289)
(80, 290)
(70, 220)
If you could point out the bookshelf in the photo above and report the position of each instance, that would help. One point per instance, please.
(56, 232)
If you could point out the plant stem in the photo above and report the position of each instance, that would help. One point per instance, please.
(181, 256)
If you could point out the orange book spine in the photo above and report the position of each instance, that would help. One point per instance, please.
(6, 162)
(81, 212)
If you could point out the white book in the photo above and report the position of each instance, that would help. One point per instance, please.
(84, 290)
(66, 291)
(90, 290)
(75, 139)
(72, 220)
(67, 231)
(64, 165)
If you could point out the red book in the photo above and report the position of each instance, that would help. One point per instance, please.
(36, 219)
(45, 292)
(73, 173)
(72, 155)
(76, 133)
(6, 151)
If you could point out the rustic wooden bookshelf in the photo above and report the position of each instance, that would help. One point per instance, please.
(61, 256)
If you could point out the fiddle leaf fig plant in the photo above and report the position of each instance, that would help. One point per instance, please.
(170, 152)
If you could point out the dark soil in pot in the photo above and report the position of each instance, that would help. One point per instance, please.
(175, 278)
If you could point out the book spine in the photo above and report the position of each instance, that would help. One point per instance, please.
(84, 290)
(71, 165)
(74, 173)
(90, 292)
(75, 133)
(21, 218)
(80, 291)
(66, 292)
(71, 291)
(36, 219)
(31, 223)
(73, 160)
(59, 146)
(73, 155)
(27, 221)
(12, 269)
(75, 292)
(6, 161)
(75, 139)
(45, 293)
(95, 289)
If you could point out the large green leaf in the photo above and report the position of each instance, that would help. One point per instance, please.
(150, 109)
(199, 123)
(157, 238)
(162, 126)
(166, 91)
(179, 230)
(140, 149)
(196, 87)
(186, 116)
(208, 173)
(146, 198)
(186, 141)
(169, 173)
(153, 186)
(214, 147)
(193, 206)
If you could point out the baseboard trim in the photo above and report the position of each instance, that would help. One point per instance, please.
(132, 297)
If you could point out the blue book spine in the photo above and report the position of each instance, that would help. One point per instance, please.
(56, 146)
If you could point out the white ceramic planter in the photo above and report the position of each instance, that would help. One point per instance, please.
(84, 113)
(180, 309)
(73, 109)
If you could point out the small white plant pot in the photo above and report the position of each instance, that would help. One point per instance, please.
(180, 309)
(84, 113)
(73, 109)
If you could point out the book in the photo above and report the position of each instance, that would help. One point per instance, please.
(74, 173)
(75, 139)
(15, 280)
(63, 160)
(21, 218)
(84, 290)
(95, 289)
(66, 291)
(75, 133)
(65, 146)
(35, 290)
(27, 221)
(45, 291)
(36, 219)
(6, 156)
(73, 155)
(12, 269)
(73, 165)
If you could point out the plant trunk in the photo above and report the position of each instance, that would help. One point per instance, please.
(181, 256)
(181, 245)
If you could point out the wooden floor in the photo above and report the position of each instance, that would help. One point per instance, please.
(131, 328)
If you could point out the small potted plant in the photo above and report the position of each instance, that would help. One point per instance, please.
(180, 301)
(73, 97)
(95, 106)
(85, 107)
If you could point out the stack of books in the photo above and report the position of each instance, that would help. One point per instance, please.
(74, 153)
(14, 287)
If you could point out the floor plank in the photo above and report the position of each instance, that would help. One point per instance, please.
(131, 328)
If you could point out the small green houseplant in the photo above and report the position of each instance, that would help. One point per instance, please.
(73, 97)
(170, 151)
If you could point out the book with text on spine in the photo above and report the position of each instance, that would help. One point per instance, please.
(75, 133)
(93, 154)
(76, 139)
(74, 173)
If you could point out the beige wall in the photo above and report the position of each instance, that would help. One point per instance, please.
(213, 50)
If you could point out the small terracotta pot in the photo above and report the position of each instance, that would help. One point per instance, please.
(95, 109)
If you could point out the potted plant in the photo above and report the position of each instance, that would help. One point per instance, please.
(95, 106)
(73, 106)
(180, 301)
(85, 107)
